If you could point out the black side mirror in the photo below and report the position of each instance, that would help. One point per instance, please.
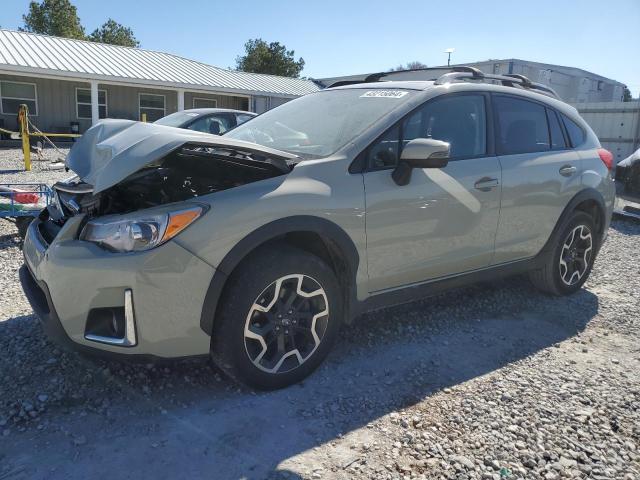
(420, 153)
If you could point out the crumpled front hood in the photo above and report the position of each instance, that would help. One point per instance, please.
(112, 149)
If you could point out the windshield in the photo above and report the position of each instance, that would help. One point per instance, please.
(319, 124)
(177, 119)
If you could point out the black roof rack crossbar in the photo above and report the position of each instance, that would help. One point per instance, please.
(508, 80)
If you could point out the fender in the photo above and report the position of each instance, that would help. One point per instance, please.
(302, 223)
(581, 196)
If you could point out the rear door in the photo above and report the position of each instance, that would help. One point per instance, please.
(444, 221)
(540, 174)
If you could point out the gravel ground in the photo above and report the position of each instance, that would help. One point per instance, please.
(494, 381)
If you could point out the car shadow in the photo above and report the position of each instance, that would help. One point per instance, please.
(10, 241)
(185, 419)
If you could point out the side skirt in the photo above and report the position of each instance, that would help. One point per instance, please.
(411, 293)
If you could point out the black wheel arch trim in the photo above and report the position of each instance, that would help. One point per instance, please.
(326, 229)
(584, 195)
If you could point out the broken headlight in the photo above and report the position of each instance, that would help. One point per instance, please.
(140, 230)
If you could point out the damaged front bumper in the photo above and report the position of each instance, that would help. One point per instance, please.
(152, 299)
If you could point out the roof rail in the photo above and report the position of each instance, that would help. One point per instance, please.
(508, 80)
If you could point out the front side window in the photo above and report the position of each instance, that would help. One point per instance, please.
(83, 103)
(459, 120)
(13, 94)
(385, 151)
(522, 126)
(152, 105)
(576, 133)
(319, 124)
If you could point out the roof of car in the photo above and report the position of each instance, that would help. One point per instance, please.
(205, 111)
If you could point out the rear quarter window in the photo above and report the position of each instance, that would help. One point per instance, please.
(577, 135)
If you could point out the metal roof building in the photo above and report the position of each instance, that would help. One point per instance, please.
(44, 70)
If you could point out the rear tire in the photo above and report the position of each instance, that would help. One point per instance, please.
(279, 316)
(568, 263)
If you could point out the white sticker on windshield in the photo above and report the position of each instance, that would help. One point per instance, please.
(384, 94)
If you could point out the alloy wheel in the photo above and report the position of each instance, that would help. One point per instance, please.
(286, 323)
(576, 255)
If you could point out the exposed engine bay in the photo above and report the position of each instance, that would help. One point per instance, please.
(189, 172)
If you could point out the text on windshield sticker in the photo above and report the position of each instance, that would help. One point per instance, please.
(384, 94)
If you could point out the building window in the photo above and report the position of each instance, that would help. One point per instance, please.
(83, 103)
(13, 94)
(204, 102)
(152, 105)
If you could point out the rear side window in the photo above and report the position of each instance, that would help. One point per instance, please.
(557, 138)
(522, 126)
(576, 133)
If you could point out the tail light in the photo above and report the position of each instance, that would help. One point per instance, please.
(607, 158)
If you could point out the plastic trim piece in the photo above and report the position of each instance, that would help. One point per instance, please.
(130, 338)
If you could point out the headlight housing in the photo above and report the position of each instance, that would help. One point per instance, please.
(140, 231)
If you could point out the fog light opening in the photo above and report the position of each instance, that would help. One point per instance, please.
(113, 325)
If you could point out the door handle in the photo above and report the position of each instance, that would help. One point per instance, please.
(485, 184)
(567, 170)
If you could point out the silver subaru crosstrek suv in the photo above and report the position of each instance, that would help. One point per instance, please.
(256, 246)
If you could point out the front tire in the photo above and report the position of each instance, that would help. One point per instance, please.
(279, 317)
(568, 264)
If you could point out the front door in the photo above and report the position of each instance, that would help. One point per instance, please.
(444, 221)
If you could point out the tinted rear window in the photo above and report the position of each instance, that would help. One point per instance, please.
(576, 133)
(522, 126)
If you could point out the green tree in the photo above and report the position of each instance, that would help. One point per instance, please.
(409, 66)
(272, 58)
(115, 34)
(626, 94)
(53, 17)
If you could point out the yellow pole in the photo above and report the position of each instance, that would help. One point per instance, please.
(144, 117)
(24, 134)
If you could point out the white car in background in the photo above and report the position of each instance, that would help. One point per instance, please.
(208, 120)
